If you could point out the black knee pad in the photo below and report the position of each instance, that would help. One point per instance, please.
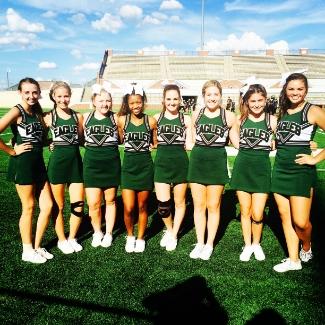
(78, 204)
(164, 209)
(257, 222)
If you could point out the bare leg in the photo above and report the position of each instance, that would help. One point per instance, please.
(58, 195)
(245, 202)
(180, 206)
(76, 192)
(163, 194)
(258, 205)
(110, 212)
(129, 203)
(143, 197)
(94, 200)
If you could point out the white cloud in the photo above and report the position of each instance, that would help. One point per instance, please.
(22, 39)
(17, 23)
(49, 14)
(170, 5)
(78, 19)
(47, 65)
(264, 8)
(109, 23)
(159, 15)
(175, 19)
(86, 66)
(157, 49)
(130, 12)
(76, 53)
(151, 20)
(249, 41)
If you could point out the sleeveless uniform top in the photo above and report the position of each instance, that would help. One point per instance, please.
(171, 132)
(30, 129)
(211, 132)
(293, 134)
(100, 133)
(64, 132)
(256, 135)
(136, 138)
(28, 167)
(294, 129)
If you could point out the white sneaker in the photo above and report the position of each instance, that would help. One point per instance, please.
(130, 244)
(246, 253)
(195, 253)
(107, 240)
(305, 256)
(75, 245)
(206, 252)
(171, 244)
(140, 245)
(97, 239)
(33, 257)
(287, 265)
(258, 252)
(165, 238)
(65, 247)
(43, 252)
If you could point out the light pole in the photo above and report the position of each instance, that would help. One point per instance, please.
(8, 84)
(202, 25)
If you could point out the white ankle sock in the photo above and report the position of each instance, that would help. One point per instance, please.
(27, 248)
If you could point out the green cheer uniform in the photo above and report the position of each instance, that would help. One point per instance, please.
(65, 164)
(137, 167)
(28, 168)
(252, 167)
(171, 162)
(293, 136)
(208, 160)
(101, 162)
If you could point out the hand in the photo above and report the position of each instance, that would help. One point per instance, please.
(304, 159)
(21, 148)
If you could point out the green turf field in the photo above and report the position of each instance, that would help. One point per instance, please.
(109, 286)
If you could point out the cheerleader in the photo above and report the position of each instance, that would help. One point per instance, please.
(101, 163)
(27, 169)
(294, 171)
(251, 175)
(171, 163)
(208, 171)
(65, 164)
(137, 130)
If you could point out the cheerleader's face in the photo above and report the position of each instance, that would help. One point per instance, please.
(256, 103)
(103, 102)
(135, 104)
(212, 98)
(296, 91)
(172, 101)
(30, 93)
(62, 97)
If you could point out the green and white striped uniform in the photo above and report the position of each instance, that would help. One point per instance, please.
(137, 167)
(171, 162)
(252, 167)
(28, 168)
(208, 160)
(293, 136)
(101, 162)
(65, 164)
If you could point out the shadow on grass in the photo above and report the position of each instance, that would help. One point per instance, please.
(190, 302)
(267, 316)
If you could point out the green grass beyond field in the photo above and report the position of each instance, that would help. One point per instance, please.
(109, 286)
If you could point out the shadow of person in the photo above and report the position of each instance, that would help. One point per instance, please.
(267, 316)
(190, 302)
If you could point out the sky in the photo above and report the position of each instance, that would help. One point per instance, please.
(66, 39)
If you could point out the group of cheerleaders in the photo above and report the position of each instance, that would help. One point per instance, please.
(205, 133)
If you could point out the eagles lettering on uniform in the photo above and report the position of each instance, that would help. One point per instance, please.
(211, 129)
(294, 129)
(64, 130)
(100, 130)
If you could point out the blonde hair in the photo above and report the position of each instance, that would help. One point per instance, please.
(55, 86)
(211, 83)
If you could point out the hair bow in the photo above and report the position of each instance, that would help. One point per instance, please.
(97, 88)
(247, 83)
(285, 75)
(136, 88)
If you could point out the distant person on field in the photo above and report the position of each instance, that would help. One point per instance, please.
(294, 172)
(27, 169)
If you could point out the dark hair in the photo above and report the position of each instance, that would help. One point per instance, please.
(37, 109)
(243, 100)
(167, 88)
(125, 109)
(284, 101)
